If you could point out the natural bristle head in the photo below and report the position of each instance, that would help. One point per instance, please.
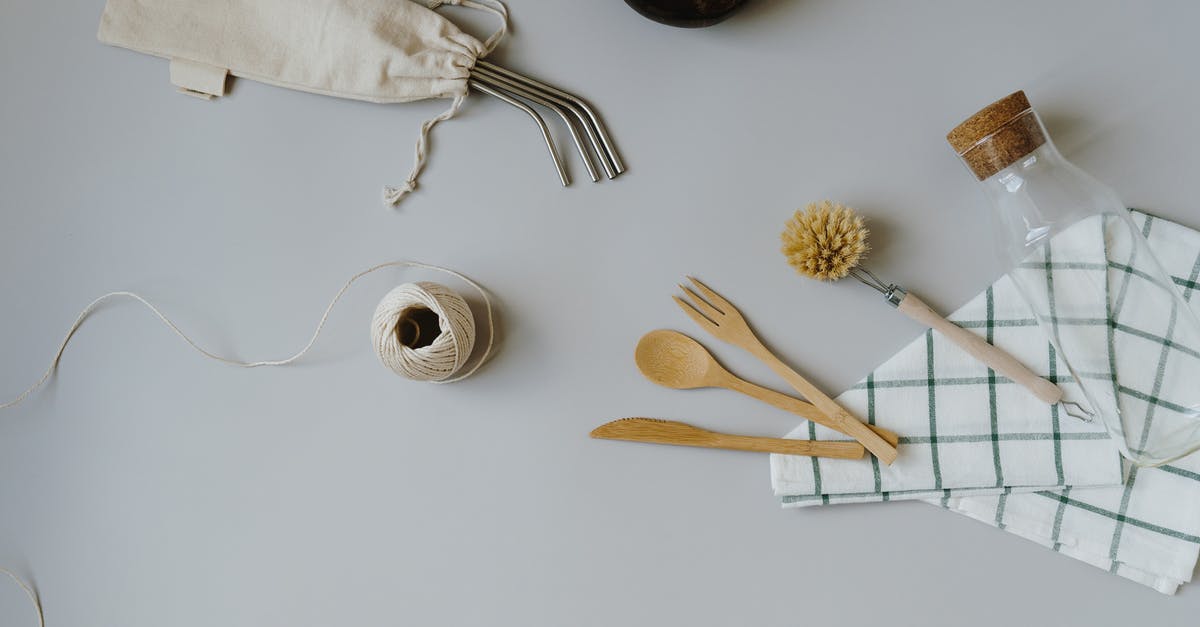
(825, 240)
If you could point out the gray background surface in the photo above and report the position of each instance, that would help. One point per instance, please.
(146, 486)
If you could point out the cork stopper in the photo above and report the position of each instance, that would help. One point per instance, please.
(998, 135)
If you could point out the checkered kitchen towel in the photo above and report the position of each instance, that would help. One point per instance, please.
(964, 429)
(1147, 529)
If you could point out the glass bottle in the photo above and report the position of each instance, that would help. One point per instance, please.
(1114, 317)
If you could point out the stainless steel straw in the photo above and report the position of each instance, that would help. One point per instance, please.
(515, 89)
(581, 104)
(558, 164)
(556, 105)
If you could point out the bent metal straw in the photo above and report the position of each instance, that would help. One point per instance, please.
(383, 51)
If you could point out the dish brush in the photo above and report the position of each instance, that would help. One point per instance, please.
(827, 241)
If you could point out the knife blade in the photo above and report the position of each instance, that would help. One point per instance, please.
(657, 431)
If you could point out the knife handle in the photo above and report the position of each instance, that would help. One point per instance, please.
(835, 450)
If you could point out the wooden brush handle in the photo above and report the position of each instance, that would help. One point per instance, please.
(836, 450)
(993, 357)
(805, 410)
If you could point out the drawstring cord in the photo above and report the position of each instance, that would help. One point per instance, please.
(495, 7)
(392, 195)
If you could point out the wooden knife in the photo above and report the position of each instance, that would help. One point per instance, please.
(682, 434)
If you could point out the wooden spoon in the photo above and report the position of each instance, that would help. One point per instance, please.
(672, 359)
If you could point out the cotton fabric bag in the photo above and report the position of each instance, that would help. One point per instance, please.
(384, 51)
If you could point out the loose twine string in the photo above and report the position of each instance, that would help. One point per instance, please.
(442, 361)
(29, 592)
(438, 362)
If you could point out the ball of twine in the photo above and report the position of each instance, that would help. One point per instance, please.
(440, 359)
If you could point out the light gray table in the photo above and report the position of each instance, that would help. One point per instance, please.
(148, 487)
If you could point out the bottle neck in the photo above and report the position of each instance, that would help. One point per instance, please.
(1022, 187)
(1034, 166)
(1039, 195)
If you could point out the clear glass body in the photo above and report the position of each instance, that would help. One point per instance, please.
(1115, 318)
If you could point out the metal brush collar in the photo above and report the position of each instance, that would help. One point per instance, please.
(892, 292)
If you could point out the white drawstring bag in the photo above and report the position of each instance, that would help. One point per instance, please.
(383, 51)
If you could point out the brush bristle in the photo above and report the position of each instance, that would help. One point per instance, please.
(825, 240)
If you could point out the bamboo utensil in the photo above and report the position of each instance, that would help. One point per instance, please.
(827, 241)
(672, 359)
(723, 321)
(682, 434)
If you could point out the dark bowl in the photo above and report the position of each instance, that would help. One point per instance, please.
(686, 13)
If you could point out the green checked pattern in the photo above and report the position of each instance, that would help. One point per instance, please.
(964, 428)
(1122, 328)
(1147, 530)
(975, 444)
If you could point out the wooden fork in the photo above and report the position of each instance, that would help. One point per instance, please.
(723, 321)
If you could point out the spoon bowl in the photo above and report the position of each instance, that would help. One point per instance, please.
(674, 360)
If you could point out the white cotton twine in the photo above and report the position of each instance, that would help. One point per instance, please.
(29, 592)
(439, 362)
(448, 352)
(443, 361)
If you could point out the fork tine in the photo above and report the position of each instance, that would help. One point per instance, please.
(704, 306)
(712, 296)
(699, 318)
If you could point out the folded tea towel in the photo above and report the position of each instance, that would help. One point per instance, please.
(963, 428)
(1147, 530)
